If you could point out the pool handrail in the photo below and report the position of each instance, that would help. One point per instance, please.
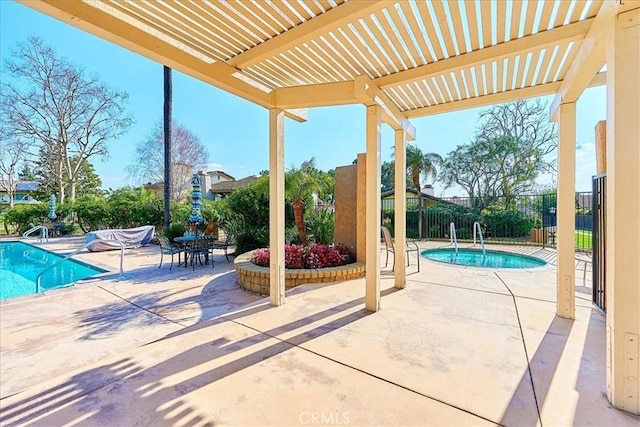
(44, 235)
(452, 236)
(86, 246)
(476, 226)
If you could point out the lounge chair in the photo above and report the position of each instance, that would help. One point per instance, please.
(388, 242)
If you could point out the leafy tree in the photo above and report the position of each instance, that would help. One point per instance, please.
(88, 183)
(14, 156)
(387, 174)
(511, 149)
(187, 155)
(27, 173)
(419, 164)
(54, 107)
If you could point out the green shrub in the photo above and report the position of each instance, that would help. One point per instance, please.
(291, 236)
(463, 233)
(133, 207)
(438, 218)
(93, 213)
(245, 214)
(23, 217)
(321, 225)
(173, 230)
(510, 223)
(180, 212)
(123, 208)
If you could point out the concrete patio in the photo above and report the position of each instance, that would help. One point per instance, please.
(458, 346)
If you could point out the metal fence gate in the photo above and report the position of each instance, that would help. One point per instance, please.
(599, 241)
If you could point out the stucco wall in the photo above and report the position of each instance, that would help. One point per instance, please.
(345, 205)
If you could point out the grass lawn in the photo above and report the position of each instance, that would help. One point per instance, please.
(583, 239)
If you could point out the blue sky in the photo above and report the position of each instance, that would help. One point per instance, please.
(235, 131)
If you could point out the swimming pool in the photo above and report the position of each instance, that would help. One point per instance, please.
(475, 258)
(21, 264)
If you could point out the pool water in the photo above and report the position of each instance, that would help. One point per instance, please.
(475, 258)
(21, 264)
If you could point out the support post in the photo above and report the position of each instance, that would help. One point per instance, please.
(601, 147)
(623, 212)
(372, 207)
(276, 206)
(400, 208)
(566, 212)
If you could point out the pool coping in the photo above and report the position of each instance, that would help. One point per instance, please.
(547, 265)
(106, 274)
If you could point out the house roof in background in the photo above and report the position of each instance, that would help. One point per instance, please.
(224, 187)
(409, 191)
(22, 186)
(217, 173)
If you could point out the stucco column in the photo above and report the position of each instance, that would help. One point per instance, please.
(400, 208)
(623, 212)
(601, 147)
(276, 206)
(566, 211)
(372, 207)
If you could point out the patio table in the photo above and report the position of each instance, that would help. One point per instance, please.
(186, 240)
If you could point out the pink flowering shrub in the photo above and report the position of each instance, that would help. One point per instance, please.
(312, 256)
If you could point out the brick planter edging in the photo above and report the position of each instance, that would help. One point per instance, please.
(254, 278)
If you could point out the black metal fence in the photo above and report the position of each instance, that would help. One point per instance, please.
(524, 219)
(599, 241)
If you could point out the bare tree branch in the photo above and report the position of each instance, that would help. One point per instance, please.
(187, 154)
(51, 104)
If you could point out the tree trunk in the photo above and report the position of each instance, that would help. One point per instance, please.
(420, 215)
(61, 187)
(298, 214)
(168, 105)
(72, 191)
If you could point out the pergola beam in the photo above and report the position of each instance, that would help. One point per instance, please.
(497, 98)
(590, 58)
(370, 94)
(109, 27)
(361, 90)
(332, 19)
(321, 95)
(565, 34)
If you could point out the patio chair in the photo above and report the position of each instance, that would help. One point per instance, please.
(167, 248)
(224, 245)
(388, 242)
(197, 248)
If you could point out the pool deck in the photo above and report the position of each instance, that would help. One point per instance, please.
(458, 346)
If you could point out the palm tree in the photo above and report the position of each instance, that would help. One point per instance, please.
(300, 183)
(168, 105)
(419, 163)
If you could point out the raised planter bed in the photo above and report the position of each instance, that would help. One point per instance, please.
(255, 279)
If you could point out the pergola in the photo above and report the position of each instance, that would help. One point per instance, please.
(406, 59)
